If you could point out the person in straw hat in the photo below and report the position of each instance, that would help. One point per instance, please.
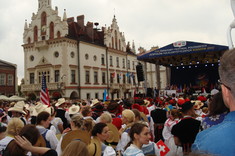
(18, 110)
(77, 132)
(100, 133)
(62, 113)
(114, 135)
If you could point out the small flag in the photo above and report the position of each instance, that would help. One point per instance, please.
(105, 95)
(44, 96)
(163, 149)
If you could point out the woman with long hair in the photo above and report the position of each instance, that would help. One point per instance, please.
(139, 135)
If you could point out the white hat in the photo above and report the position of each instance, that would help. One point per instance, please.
(74, 109)
(93, 102)
(40, 108)
(60, 102)
(18, 107)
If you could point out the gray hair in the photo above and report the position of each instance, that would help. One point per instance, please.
(227, 69)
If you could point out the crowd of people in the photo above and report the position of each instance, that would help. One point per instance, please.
(188, 125)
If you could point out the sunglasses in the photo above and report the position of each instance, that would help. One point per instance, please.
(221, 83)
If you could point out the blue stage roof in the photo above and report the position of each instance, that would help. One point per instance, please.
(182, 48)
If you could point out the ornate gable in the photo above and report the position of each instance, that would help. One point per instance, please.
(113, 38)
(45, 24)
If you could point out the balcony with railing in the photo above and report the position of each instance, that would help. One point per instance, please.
(37, 87)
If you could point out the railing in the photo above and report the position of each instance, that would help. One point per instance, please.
(37, 87)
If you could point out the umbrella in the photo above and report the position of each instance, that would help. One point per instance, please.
(4, 98)
(16, 98)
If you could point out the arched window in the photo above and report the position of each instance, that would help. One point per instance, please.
(58, 34)
(43, 23)
(51, 30)
(119, 44)
(116, 40)
(29, 40)
(35, 34)
(43, 19)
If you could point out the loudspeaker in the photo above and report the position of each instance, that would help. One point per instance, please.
(140, 72)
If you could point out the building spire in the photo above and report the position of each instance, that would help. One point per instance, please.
(133, 47)
(65, 15)
(25, 25)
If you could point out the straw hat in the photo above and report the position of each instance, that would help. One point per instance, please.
(197, 104)
(94, 147)
(39, 108)
(60, 102)
(18, 107)
(146, 102)
(75, 135)
(113, 134)
(74, 109)
(93, 102)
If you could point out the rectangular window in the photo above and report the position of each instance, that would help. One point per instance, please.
(133, 65)
(102, 59)
(2, 79)
(10, 80)
(128, 64)
(118, 78)
(111, 77)
(117, 59)
(87, 76)
(57, 75)
(111, 60)
(124, 78)
(73, 77)
(31, 78)
(123, 63)
(103, 78)
(129, 79)
(95, 77)
(97, 95)
(88, 95)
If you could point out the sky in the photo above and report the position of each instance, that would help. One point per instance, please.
(148, 23)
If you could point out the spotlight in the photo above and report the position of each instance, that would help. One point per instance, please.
(205, 65)
(177, 67)
(189, 66)
(182, 63)
(197, 62)
(196, 66)
(171, 65)
(212, 65)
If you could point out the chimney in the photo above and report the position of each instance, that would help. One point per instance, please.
(80, 21)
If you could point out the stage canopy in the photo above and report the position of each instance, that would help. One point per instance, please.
(185, 53)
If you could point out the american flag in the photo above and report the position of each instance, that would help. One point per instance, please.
(44, 96)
